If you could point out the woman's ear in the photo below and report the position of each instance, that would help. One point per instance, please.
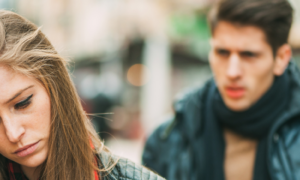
(282, 59)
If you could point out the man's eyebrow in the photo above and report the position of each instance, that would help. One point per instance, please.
(219, 47)
(18, 94)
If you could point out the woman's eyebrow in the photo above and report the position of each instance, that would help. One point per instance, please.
(17, 94)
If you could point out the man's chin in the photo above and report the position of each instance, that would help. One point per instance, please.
(237, 104)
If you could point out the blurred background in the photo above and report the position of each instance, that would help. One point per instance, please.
(130, 58)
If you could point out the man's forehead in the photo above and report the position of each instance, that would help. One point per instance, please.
(229, 36)
(230, 27)
(238, 48)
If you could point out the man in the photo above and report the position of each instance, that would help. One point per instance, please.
(245, 122)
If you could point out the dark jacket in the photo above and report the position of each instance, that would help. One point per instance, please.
(172, 148)
(124, 169)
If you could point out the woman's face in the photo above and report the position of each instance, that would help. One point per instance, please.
(24, 119)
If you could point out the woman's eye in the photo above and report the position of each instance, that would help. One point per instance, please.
(23, 104)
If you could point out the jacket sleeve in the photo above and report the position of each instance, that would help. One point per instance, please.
(155, 151)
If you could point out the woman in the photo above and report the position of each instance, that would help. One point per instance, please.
(44, 132)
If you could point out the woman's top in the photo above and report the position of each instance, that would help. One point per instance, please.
(122, 169)
(125, 169)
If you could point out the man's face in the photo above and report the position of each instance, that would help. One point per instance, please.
(242, 63)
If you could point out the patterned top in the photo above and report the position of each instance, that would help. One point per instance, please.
(122, 170)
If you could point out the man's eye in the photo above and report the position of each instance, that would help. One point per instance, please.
(248, 54)
(223, 52)
(23, 104)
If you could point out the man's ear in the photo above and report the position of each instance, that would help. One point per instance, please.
(282, 59)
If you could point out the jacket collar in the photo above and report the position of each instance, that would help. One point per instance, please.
(293, 109)
(189, 107)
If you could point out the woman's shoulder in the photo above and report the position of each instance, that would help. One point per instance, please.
(123, 169)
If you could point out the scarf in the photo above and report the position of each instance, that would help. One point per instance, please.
(254, 123)
(15, 172)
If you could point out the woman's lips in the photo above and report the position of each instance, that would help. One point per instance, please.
(235, 92)
(26, 150)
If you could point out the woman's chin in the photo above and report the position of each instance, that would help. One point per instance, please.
(34, 160)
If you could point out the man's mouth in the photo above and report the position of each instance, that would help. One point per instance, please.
(235, 92)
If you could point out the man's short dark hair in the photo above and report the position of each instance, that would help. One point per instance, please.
(274, 17)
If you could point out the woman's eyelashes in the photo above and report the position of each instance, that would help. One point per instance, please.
(23, 104)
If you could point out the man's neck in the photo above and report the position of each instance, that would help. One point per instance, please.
(239, 156)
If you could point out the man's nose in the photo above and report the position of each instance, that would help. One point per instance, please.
(234, 70)
(13, 129)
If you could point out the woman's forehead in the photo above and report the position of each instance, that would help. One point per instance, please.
(6, 76)
(12, 83)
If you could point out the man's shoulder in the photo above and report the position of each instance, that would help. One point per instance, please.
(289, 132)
(186, 106)
(169, 142)
(284, 151)
(159, 143)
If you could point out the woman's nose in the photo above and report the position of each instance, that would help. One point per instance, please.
(13, 129)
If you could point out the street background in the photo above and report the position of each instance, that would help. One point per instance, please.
(130, 58)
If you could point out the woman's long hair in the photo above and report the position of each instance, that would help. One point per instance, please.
(26, 50)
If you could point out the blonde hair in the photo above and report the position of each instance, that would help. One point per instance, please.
(26, 50)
